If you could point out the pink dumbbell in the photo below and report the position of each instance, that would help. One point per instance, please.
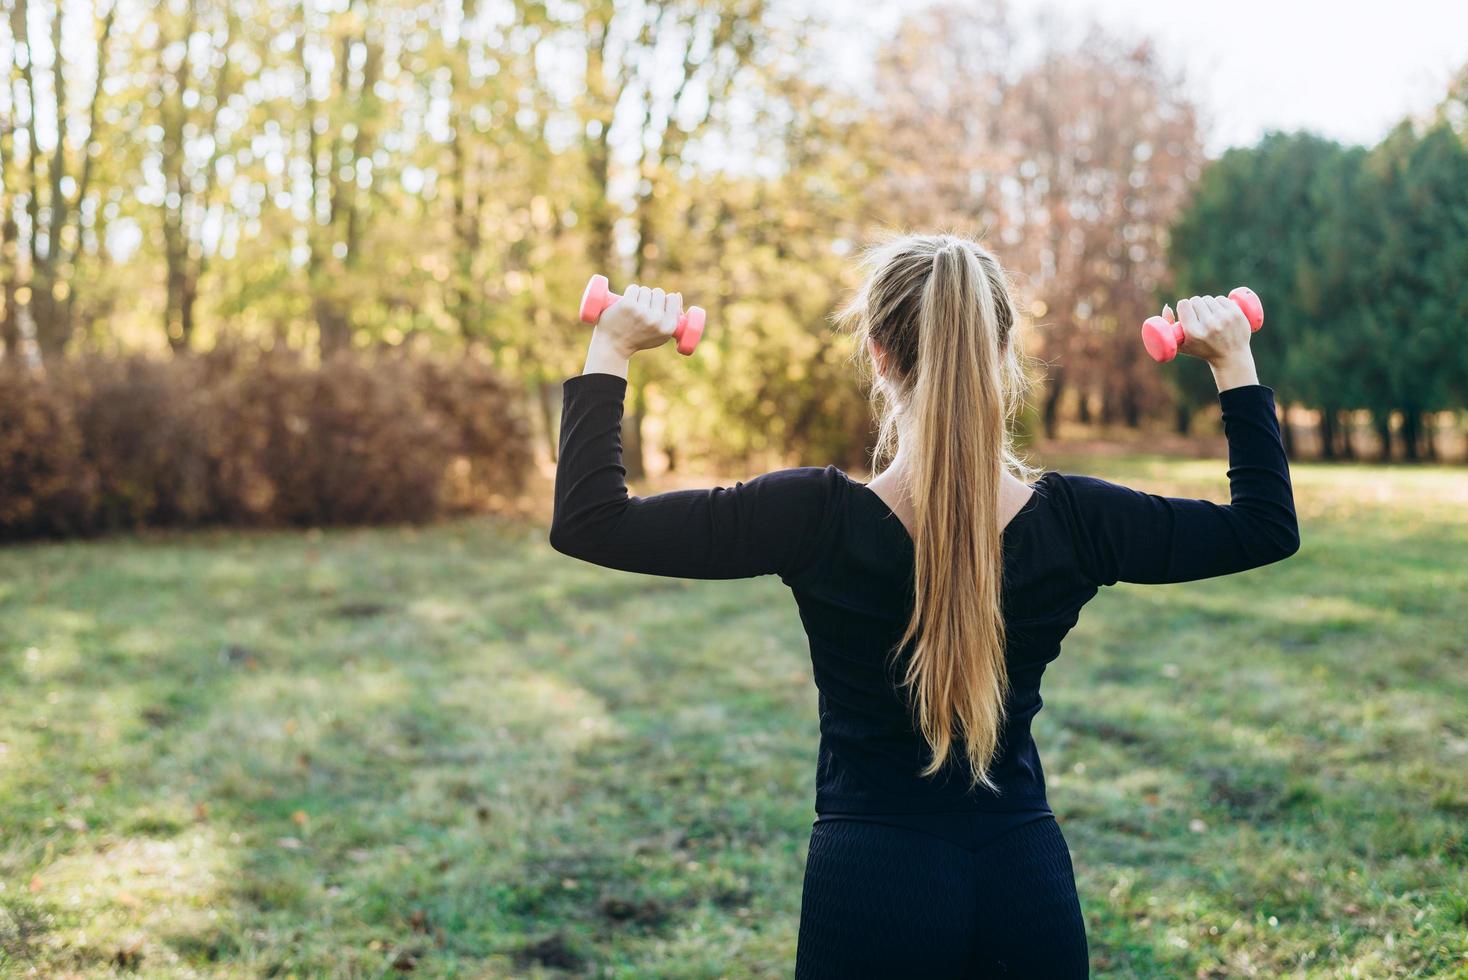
(599, 296)
(1162, 336)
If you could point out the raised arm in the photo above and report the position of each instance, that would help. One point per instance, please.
(770, 525)
(1129, 536)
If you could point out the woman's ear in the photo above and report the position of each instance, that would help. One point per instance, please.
(878, 356)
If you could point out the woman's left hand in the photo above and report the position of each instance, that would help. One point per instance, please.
(641, 320)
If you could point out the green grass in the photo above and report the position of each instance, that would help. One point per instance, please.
(455, 752)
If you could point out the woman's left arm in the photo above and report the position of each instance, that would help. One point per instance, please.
(770, 525)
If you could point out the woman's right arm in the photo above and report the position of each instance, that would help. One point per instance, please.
(1128, 536)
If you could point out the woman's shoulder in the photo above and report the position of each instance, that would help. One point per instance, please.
(1083, 492)
(814, 483)
(809, 494)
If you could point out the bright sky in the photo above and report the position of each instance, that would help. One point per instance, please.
(1348, 69)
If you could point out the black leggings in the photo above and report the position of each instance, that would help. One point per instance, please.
(887, 901)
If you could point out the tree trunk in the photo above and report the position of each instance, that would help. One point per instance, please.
(1053, 393)
(1429, 440)
(1182, 419)
(1130, 409)
(1346, 423)
(334, 327)
(177, 318)
(466, 219)
(189, 301)
(10, 325)
(601, 222)
(1327, 433)
(1383, 424)
(9, 238)
(632, 433)
(48, 317)
(1411, 431)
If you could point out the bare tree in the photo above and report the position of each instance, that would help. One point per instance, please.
(1073, 160)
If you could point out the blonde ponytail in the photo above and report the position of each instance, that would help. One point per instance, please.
(940, 309)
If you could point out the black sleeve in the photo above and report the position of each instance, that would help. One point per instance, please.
(769, 525)
(1127, 536)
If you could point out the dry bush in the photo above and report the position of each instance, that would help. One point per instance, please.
(45, 484)
(144, 436)
(241, 437)
(490, 438)
(351, 442)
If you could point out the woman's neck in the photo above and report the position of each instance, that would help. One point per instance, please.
(894, 486)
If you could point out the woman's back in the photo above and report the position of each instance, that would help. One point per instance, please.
(855, 601)
(848, 561)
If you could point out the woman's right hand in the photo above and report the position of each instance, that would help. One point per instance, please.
(641, 320)
(1215, 329)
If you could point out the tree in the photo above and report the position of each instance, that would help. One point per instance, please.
(339, 64)
(51, 205)
(1073, 161)
(1410, 290)
(1328, 357)
(197, 113)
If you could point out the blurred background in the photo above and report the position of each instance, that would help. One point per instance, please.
(274, 265)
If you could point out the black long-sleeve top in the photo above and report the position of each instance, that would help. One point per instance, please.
(848, 560)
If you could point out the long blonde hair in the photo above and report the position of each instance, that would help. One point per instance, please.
(939, 308)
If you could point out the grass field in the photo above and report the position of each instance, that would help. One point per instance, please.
(453, 752)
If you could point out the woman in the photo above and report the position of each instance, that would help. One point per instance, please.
(934, 597)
